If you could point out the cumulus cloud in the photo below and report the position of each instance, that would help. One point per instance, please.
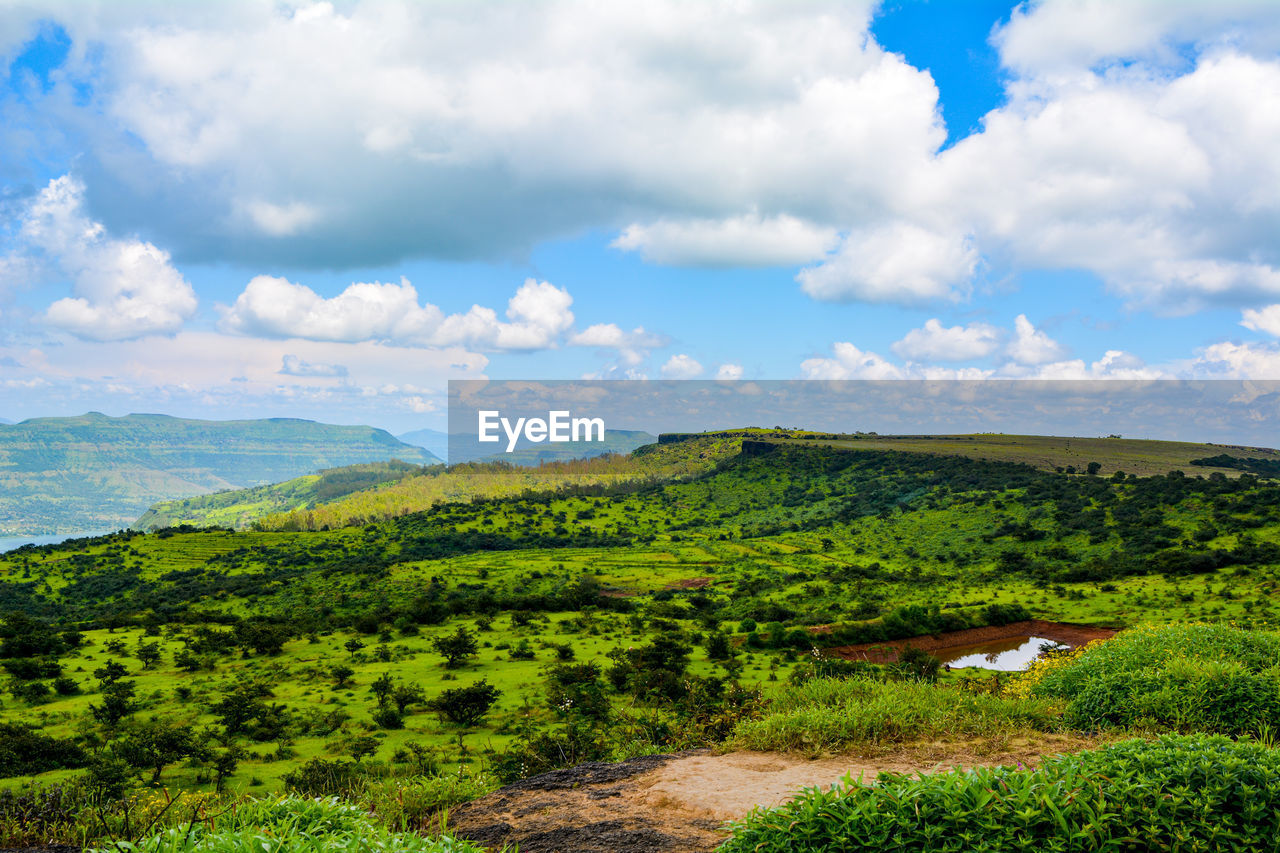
(1032, 346)
(729, 371)
(537, 316)
(1263, 319)
(899, 262)
(936, 342)
(632, 347)
(738, 241)
(124, 288)
(364, 132)
(681, 366)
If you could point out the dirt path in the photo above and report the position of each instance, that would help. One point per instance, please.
(662, 803)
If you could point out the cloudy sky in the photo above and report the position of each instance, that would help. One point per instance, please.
(327, 210)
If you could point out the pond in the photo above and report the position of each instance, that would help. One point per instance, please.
(1009, 655)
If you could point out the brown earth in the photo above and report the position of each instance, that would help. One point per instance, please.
(1061, 632)
(680, 802)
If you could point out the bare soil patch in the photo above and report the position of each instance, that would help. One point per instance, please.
(680, 802)
(1061, 632)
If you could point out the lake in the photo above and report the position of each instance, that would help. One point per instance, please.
(8, 543)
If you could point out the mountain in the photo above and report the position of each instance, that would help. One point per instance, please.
(432, 440)
(5, 421)
(94, 472)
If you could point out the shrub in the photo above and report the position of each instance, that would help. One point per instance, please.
(466, 706)
(1208, 678)
(1176, 793)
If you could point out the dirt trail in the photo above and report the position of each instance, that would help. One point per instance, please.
(661, 803)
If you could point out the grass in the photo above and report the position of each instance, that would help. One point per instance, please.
(830, 715)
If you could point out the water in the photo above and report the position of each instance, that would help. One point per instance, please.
(8, 543)
(1011, 655)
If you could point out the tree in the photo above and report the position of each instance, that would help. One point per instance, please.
(456, 648)
(149, 654)
(718, 647)
(353, 645)
(466, 706)
(117, 703)
(382, 687)
(155, 744)
(341, 674)
(405, 695)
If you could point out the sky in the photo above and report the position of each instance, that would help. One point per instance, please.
(328, 210)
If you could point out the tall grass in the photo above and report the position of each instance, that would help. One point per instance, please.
(831, 714)
(290, 824)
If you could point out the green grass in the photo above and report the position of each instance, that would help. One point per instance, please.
(829, 715)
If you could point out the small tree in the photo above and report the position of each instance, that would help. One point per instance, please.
(353, 645)
(405, 695)
(718, 647)
(149, 654)
(154, 745)
(466, 706)
(456, 648)
(341, 674)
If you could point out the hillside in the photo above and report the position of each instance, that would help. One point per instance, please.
(696, 594)
(93, 472)
(239, 508)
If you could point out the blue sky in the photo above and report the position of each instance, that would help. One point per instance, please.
(326, 211)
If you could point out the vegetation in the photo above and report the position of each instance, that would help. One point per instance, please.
(1175, 793)
(476, 624)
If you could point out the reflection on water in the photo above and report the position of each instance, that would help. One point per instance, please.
(1010, 655)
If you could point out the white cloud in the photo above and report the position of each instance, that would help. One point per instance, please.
(294, 366)
(935, 342)
(850, 362)
(124, 288)
(275, 307)
(681, 366)
(1239, 361)
(899, 262)
(1114, 364)
(357, 133)
(747, 240)
(1064, 36)
(633, 347)
(1032, 346)
(1263, 319)
(729, 371)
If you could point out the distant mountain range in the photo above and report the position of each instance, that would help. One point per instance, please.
(94, 472)
(467, 448)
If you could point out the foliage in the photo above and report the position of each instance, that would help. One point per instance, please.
(1185, 677)
(1175, 793)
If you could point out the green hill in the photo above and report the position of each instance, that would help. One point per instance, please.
(93, 472)
(239, 508)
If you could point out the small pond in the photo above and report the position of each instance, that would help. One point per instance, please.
(1010, 655)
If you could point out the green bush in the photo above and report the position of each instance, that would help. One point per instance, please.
(1188, 678)
(1183, 793)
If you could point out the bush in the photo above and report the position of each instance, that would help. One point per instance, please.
(466, 706)
(1188, 678)
(1176, 793)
